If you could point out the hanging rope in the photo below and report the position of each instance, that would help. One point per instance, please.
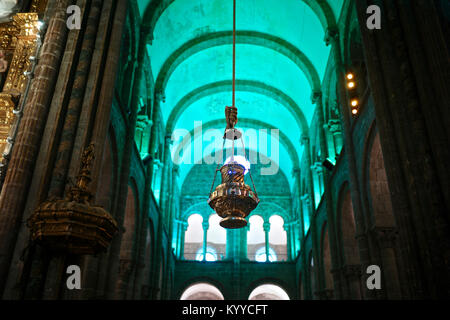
(234, 53)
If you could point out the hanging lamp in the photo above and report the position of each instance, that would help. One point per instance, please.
(233, 200)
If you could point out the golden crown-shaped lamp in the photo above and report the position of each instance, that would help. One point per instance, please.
(233, 200)
(73, 225)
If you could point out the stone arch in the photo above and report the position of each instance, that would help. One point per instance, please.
(268, 281)
(268, 291)
(210, 40)
(241, 85)
(203, 289)
(156, 8)
(246, 122)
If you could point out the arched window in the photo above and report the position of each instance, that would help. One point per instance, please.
(268, 292)
(216, 238)
(260, 255)
(255, 237)
(211, 254)
(193, 239)
(202, 291)
(278, 238)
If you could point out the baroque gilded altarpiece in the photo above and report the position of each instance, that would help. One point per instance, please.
(20, 43)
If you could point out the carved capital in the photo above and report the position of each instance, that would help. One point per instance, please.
(142, 122)
(335, 127)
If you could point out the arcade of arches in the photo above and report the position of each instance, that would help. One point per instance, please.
(135, 98)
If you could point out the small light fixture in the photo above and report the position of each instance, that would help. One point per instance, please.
(354, 102)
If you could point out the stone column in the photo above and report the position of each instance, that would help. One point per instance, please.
(266, 227)
(184, 226)
(205, 226)
(173, 203)
(26, 147)
(289, 237)
(332, 36)
(385, 238)
(165, 180)
(324, 177)
(313, 227)
(407, 63)
(352, 274)
(74, 107)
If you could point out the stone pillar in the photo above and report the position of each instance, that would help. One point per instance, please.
(26, 147)
(184, 226)
(173, 203)
(74, 107)
(165, 180)
(290, 241)
(352, 274)
(332, 36)
(243, 243)
(407, 63)
(266, 227)
(313, 227)
(205, 226)
(324, 177)
(385, 238)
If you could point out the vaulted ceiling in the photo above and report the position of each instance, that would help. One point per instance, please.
(281, 58)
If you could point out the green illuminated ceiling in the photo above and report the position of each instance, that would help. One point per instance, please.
(281, 60)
